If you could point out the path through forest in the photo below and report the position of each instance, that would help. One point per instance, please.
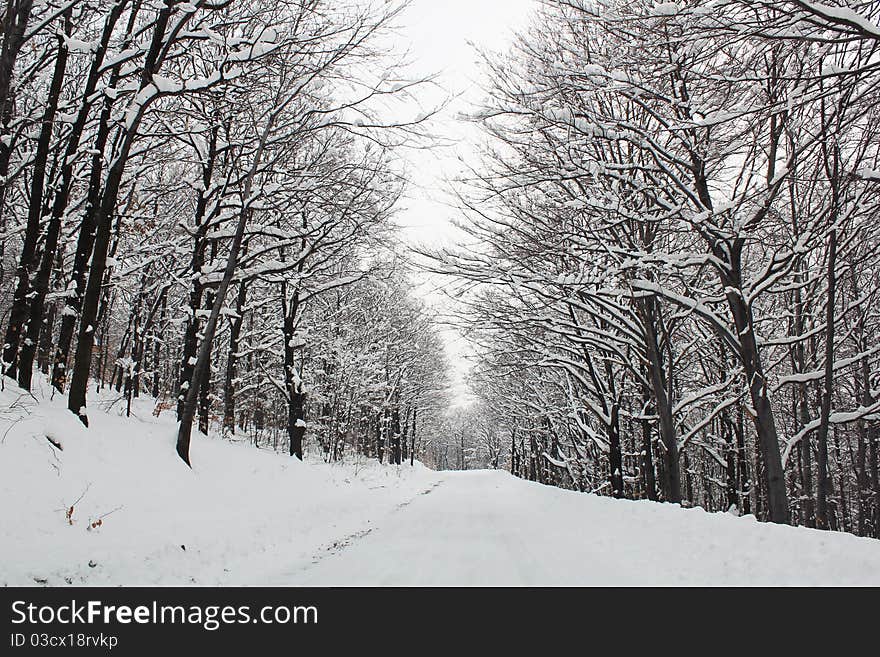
(350, 523)
(488, 528)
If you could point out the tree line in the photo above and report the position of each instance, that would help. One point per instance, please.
(197, 204)
(672, 269)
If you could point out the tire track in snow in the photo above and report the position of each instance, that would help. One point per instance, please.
(341, 544)
(427, 491)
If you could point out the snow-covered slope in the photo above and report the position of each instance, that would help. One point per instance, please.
(247, 516)
(239, 516)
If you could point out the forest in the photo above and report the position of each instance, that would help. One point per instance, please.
(666, 262)
(197, 205)
(671, 262)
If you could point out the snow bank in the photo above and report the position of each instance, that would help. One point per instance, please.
(238, 516)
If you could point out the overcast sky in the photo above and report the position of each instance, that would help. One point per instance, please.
(442, 37)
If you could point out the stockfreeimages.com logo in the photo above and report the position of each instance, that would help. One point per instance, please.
(210, 617)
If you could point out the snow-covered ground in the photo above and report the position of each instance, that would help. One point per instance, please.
(489, 528)
(238, 517)
(248, 516)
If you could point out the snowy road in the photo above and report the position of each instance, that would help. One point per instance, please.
(287, 522)
(488, 528)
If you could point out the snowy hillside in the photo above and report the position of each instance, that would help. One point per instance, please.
(240, 516)
(246, 516)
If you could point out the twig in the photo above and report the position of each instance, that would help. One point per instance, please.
(111, 511)
(9, 428)
(66, 507)
(79, 499)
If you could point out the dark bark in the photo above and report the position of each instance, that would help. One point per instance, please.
(131, 378)
(662, 403)
(296, 428)
(688, 479)
(197, 261)
(874, 461)
(296, 425)
(615, 458)
(533, 455)
(823, 484)
(843, 518)
(205, 383)
(19, 311)
(765, 424)
(649, 479)
(863, 392)
(157, 341)
(232, 360)
(744, 481)
(404, 443)
(514, 469)
(412, 449)
(47, 324)
(85, 238)
(809, 507)
(15, 21)
(380, 438)
(203, 357)
(730, 252)
(730, 450)
(103, 224)
(205, 401)
(395, 436)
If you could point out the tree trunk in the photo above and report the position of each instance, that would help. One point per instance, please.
(86, 236)
(744, 483)
(874, 460)
(412, 449)
(197, 261)
(59, 205)
(395, 435)
(731, 469)
(103, 224)
(806, 462)
(615, 458)
(650, 482)
(20, 301)
(203, 357)
(823, 488)
(296, 427)
(205, 385)
(84, 246)
(232, 360)
(404, 442)
(765, 425)
(662, 403)
(15, 20)
(158, 340)
(380, 438)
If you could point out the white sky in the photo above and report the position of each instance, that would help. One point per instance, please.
(442, 37)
